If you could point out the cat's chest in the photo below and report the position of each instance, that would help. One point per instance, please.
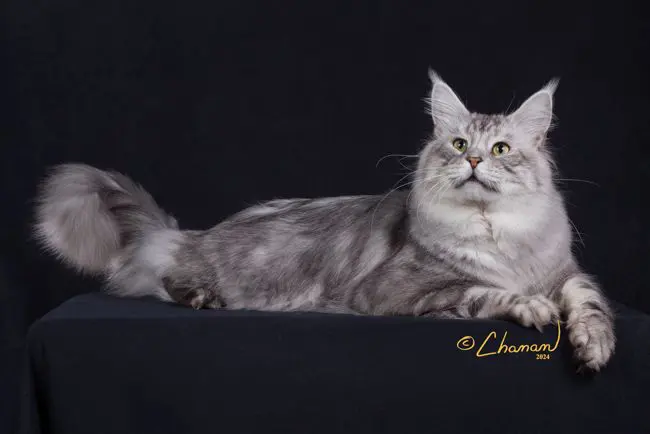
(501, 233)
(488, 248)
(510, 245)
(500, 247)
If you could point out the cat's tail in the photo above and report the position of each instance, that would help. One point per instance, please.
(103, 223)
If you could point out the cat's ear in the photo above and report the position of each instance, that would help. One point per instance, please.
(444, 105)
(535, 115)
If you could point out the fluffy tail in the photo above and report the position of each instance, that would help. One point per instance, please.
(103, 223)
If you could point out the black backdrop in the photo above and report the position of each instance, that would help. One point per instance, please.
(213, 105)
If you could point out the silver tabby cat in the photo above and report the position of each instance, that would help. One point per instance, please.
(483, 233)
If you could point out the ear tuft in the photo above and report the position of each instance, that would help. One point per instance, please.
(434, 77)
(552, 86)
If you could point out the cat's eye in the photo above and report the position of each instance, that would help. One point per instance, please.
(500, 148)
(460, 144)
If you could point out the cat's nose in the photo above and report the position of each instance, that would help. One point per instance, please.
(473, 161)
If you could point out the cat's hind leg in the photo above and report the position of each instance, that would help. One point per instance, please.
(192, 293)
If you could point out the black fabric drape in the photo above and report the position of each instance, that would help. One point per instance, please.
(106, 365)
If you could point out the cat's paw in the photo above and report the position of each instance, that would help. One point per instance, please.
(593, 339)
(534, 311)
(198, 298)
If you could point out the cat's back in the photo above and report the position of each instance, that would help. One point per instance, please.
(290, 227)
(320, 213)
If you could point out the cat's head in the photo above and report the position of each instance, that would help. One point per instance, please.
(485, 157)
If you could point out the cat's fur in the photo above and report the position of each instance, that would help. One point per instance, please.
(489, 242)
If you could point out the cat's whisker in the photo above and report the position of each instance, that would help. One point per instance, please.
(372, 219)
(444, 191)
(399, 161)
(586, 181)
(394, 155)
(510, 103)
(436, 189)
(431, 169)
(575, 229)
(433, 178)
(420, 202)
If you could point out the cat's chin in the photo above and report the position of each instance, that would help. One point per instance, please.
(473, 190)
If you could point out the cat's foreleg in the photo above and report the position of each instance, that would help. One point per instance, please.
(589, 321)
(491, 302)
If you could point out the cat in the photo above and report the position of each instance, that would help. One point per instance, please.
(482, 233)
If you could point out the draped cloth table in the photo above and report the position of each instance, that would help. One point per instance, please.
(98, 364)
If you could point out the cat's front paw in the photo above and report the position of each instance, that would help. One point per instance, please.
(593, 340)
(534, 311)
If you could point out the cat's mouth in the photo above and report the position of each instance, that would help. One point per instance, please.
(472, 179)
